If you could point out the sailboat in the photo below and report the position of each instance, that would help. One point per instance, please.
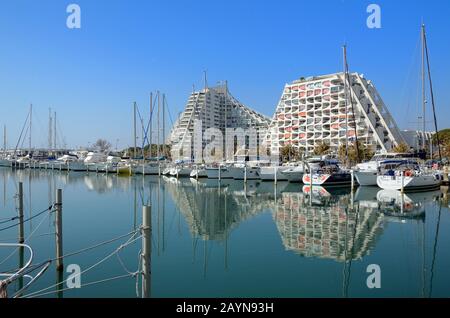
(410, 176)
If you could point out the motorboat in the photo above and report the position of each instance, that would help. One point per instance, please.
(268, 173)
(407, 175)
(245, 171)
(293, 174)
(218, 172)
(70, 162)
(95, 161)
(326, 172)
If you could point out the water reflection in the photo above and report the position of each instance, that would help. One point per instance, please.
(321, 224)
(213, 209)
(325, 225)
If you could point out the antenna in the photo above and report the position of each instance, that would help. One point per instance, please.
(206, 81)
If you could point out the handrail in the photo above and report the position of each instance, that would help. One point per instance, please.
(21, 270)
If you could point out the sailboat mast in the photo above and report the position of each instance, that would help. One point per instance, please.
(151, 124)
(31, 122)
(134, 129)
(50, 143)
(54, 132)
(226, 121)
(431, 93)
(164, 124)
(344, 55)
(157, 122)
(4, 139)
(424, 101)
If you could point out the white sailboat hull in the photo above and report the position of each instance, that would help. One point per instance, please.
(412, 183)
(147, 169)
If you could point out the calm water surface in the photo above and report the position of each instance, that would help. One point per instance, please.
(227, 240)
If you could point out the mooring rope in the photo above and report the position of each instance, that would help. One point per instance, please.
(28, 219)
(37, 293)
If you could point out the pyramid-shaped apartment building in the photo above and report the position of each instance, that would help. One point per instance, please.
(318, 109)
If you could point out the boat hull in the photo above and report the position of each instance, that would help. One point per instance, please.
(238, 173)
(328, 179)
(213, 173)
(413, 183)
(366, 178)
(268, 173)
(293, 174)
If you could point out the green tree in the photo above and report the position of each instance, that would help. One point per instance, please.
(401, 148)
(321, 148)
(350, 157)
(289, 153)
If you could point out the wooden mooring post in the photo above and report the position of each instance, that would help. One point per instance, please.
(146, 250)
(59, 231)
(21, 231)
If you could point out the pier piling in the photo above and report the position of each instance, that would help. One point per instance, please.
(21, 231)
(146, 250)
(59, 234)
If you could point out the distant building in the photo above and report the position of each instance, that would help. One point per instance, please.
(419, 140)
(216, 108)
(314, 110)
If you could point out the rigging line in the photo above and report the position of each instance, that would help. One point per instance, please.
(434, 250)
(28, 219)
(168, 111)
(24, 137)
(25, 240)
(87, 269)
(21, 133)
(83, 285)
(96, 245)
(432, 94)
(6, 220)
(408, 76)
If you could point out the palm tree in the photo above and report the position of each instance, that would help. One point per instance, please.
(322, 149)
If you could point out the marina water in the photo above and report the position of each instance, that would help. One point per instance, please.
(231, 239)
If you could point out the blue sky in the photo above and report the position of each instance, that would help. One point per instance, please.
(125, 49)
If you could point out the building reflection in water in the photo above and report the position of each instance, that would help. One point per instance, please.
(212, 209)
(326, 225)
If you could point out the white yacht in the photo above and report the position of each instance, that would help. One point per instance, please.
(243, 170)
(293, 174)
(268, 173)
(70, 162)
(218, 172)
(95, 160)
(366, 172)
(407, 175)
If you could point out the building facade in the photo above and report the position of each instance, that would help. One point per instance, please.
(319, 109)
(216, 108)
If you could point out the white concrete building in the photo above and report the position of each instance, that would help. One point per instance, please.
(318, 109)
(419, 139)
(215, 108)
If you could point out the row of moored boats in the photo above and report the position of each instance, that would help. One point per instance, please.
(392, 171)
